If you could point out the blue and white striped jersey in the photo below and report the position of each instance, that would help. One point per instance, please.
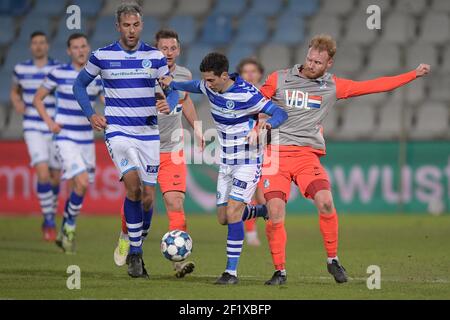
(235, 114)
(75, 126)
(129, 79)
(29, 77)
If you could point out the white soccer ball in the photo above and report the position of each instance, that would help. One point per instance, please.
(176, 245)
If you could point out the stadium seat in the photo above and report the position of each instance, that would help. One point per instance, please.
(7, 23)
(265, 7)
(303, 7)
(63, 32)
(413, 93)
(341, 7)
(421, 52)
(252, 30)
(14, 127)
(398, 28)
(237, 52)
(274, 57)
(357, 31)
(18, 52)
(58, 51)
(328, 24)
(34, 23)
(14, 7)
(439, 87)
(289, 30)
(391, 117)
(5, 87)
(105, 31)
(358, 120)
(185, 26)
(229, 7)
(432, 121)
(435, 28)
(89, 8)
(384, 5)
(193, 7)
(384, 59)
(110, 7)
(440, 6)
(415, 7)
(445, 67)
(157, 8)
(194, 56)
(151, 26)
(348, 59)
(49, 8)
(217, 30)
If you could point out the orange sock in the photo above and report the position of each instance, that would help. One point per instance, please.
(329, 229)
(177, 220)
(276, 235)
(124, 223)
(250, 225)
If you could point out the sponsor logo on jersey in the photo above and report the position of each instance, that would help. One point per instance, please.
(302, 100)
(239, 183)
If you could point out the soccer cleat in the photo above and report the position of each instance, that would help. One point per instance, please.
(338, 271)
(121, 252)
(183, 268)
(227, 278)
(136, 266)
(66, 240)
(49, 233)
(277, 279)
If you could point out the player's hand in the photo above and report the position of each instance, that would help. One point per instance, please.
(162, 106)
(165, 81)
(422, 70)
(19, 106)
(263, 124)
(98, 122)
(252, 137)
(55, 127)
(200, 139)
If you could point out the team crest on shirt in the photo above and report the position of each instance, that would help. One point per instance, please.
(266, 183)
(218, 195)
(146, 63)
(230, 104)
(124, 162)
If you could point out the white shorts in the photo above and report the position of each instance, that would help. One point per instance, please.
(132, 154)
(76, 158)
(237, 182)
(41, 149)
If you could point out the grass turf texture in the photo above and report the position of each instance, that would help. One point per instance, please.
(412, 252)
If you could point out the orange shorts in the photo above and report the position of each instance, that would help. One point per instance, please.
(172, 171)
(300, 165)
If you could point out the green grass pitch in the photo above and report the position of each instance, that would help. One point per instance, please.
(413, 252)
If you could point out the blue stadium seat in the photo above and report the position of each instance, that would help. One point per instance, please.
(303, 7)
(14, 7)
(185, 27)
(195, 54)
(252, 30)
(229, 7)
(64, 32)
(5, 87)
(34, 23)
(290, 30)
(151, 26)
(7, 23)
(265, 7)
(217, 30)
(58, 51)
(237, 52)
(89, 8)
(105, 32)
(18, 52)
(49, 7)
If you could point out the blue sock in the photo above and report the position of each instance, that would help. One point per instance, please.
(45, 195)
(133, 217)
(252, 211)
(235, 240)
(147, 221)
(55, 190)
(72, 208)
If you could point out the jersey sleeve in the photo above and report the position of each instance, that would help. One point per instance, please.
(93, 66)
(50, 82)
(346, 88)
(99, 86)
(163, 68)
(269, 87)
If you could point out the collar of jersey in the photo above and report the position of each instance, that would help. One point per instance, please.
(129, 51)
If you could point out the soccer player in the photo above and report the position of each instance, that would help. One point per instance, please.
(27, 78)
(129, 69)
(172, 169)
(307, 92)
(235, 105)
(252, 71)
(74, 137)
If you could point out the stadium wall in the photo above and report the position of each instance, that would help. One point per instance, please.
(365, 178)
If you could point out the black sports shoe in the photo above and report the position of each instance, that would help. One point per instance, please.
(227, 278)
(338, 271)
(276, 279)
(136, 265)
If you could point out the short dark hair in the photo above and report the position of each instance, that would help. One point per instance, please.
(166, 34)
(215, 62)
(129, 7)
(74, 36)
(37, 34)
(250, 60)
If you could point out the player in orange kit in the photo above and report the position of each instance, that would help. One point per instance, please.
(307, 92)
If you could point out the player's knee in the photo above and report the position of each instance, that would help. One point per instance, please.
(325, 205)
(277, 208)
(81, 183)
(147, 202)
(134, 192)
(222, 220)
(174, 202)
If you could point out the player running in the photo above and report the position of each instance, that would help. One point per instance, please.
(129, 69)
(307, 92)
(27, 78)
(74, 137)
(235, 105)
(172, 170)
(252, 71)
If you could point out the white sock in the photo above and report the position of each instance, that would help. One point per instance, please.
(124, 236)
(330, 260)
(232, 272)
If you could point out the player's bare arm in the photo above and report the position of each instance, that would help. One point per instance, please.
(98, 122)
(38, 103)
(16, 99)
(191, 116)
